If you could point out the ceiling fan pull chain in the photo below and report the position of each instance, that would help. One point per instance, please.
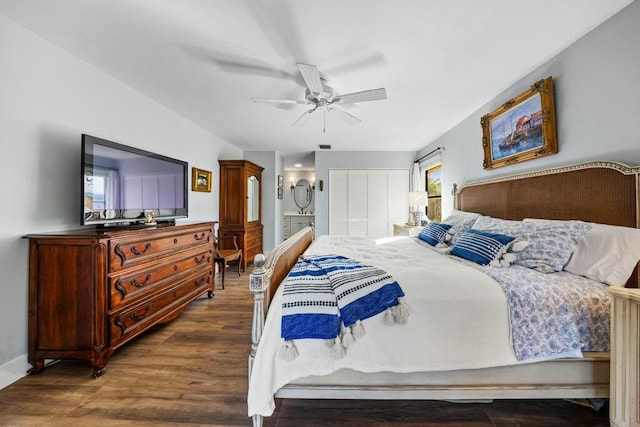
(324, 121)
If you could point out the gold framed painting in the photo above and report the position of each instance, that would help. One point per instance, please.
(200, 180)
(521, 129)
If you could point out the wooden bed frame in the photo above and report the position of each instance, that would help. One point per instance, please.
(603, 192)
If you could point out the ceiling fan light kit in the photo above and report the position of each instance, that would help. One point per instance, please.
(320, 95)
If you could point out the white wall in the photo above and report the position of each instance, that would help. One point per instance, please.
(326, 160)
(48, 99)
(597, 94)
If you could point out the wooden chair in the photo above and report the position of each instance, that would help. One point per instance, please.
(227, 253)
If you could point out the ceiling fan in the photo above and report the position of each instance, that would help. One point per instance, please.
(320, 96)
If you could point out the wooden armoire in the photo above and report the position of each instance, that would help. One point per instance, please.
(241, 205)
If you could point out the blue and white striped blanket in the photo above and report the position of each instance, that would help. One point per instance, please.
(327, 296)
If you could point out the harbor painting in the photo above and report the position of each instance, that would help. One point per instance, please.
(516, 131)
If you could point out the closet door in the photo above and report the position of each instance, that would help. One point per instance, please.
(358, 209)
(367, 202)
(338, 202)
(397, 198)
(377, 205)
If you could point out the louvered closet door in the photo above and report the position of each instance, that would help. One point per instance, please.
(338, 202)
(358, 209)
(397, 198)
(377, 203)
(367, 202)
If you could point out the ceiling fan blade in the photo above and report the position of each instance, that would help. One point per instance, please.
(280, 101)
(365, 95)
(311, 78)
(304, 118)
(348, 118)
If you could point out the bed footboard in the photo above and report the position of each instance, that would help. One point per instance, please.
(264, 281)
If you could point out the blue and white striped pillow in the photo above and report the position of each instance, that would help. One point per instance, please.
(481, 247)
(434, 233)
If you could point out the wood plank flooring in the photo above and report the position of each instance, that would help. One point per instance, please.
(193, 372)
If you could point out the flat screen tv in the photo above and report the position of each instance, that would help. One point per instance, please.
(122, 184)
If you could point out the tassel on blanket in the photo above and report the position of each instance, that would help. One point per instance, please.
(401, 312)
(388, 317)
(347, 338)
(337, 350)
(357, 330)
(288, 351)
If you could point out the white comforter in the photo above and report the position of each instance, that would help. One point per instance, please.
(459, 320)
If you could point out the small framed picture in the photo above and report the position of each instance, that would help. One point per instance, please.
(200, 180)
(279, 192)
(280, 181)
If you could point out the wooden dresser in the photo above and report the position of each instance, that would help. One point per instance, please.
(91, 291)
(241, 205)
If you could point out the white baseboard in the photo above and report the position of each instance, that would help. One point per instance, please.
(13, 370)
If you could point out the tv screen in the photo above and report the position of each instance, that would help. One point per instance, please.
(122, 184)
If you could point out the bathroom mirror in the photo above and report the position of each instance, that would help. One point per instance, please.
(253, 199)
(302, 194)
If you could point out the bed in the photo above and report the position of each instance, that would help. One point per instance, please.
(596, 192)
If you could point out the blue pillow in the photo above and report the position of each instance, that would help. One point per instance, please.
(481, 247)
(434, 233)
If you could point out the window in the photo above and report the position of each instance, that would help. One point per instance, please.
(434, 189)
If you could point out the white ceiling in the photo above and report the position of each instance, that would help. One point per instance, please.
(438, 60)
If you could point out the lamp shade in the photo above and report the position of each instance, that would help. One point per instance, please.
(418, 198)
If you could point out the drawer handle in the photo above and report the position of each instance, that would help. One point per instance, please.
(175, 294)
(198, 282)
(199, 260)
(135, 250)
(135, 282)
(175, 241)
(141, 316)
(202, 236)
(175, 267)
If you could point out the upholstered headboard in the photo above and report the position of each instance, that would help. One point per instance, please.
(603, 192)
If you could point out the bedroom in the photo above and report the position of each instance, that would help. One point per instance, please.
(51, 96)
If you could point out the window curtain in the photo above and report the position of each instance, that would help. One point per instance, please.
(415, 177)
(430, 162)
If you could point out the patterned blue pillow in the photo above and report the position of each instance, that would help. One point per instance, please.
(481, 247)
(434, 233)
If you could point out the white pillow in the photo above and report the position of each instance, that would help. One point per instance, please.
(608, 254)
(460, 221)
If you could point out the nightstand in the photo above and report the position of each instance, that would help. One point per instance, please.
(406, 230)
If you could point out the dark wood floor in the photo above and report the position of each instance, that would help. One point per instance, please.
(193, 372)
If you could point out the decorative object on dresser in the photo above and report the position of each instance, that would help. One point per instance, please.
(406, 230)
(226, 257)
(523, 128)
(92, 291)
(200, 180)
(241, 205)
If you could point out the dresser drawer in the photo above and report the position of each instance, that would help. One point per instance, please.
(131, 251)
(253, 241)
(133, 285)
(252, 251)
(129, 322)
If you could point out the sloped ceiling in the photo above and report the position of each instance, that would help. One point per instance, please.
(438, 60)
